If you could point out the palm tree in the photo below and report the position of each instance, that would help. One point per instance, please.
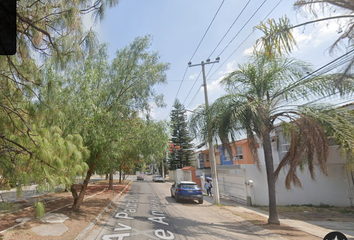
(278, 38)
(264, 94)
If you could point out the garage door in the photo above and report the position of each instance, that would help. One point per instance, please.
(232, 184)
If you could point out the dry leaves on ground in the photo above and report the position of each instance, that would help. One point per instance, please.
(77, 221)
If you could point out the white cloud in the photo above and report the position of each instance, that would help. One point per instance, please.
(320, 33)
(248, 51)
(214, 88)
(303, 40)
(230, 66)
(194, 76)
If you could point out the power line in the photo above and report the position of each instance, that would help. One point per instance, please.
(244, 25)
(192, 87)
(185, 72)
(317, 71)
(195, 95)
(230, 28)
(207, 29)
(270, 12)
(197, 49)
(325, 69)
(191, 80)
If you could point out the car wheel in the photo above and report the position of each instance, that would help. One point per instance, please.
(172, 195)
(177, 199)
(200, 201)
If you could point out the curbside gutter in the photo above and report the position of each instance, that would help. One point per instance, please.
(83, 234)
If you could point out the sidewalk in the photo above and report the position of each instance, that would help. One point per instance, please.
(316, 228)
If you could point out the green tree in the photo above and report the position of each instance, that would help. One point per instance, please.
(181, 147)
(265, 93)
(45, 32)
(99, 98)
(155, 143)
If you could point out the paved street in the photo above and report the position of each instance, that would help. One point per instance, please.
(149, 212)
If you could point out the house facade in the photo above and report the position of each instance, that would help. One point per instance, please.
(240, 179)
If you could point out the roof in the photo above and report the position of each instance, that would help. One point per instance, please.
(189, 168)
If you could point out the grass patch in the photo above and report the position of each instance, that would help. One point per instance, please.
(6, 206)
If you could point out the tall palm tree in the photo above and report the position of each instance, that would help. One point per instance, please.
(264, 94)
(278, 37)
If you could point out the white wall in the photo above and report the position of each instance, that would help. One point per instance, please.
(335, 189)
(331, 189)
(176, 175)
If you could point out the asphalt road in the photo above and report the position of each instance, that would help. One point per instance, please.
(147, 211)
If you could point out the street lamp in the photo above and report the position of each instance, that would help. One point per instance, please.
(210, 140)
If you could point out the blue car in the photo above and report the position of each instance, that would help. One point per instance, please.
(186, 190)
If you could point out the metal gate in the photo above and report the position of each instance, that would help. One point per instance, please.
(232, 185)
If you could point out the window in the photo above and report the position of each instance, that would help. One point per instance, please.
(207, 157)
(239, 154)
(283, 144)
(189, 186)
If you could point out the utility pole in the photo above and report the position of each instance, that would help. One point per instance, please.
(214, 174)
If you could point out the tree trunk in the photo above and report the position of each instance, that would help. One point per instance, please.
(268, 156)
(78, 201)
(106, 176)
(120, 174)
(74, 193)
(110, 186)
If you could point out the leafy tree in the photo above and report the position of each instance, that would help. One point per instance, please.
(265, 93)
(279, 39)
(181, 147)
(155, 143)
(99, 98)
(55, 32)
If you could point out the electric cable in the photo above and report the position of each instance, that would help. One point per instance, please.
(270, 12)
(195, 95)
(192, 87)
(197, 50)
(185, 72)
(238, 16)
(207, 29)
(244, 25)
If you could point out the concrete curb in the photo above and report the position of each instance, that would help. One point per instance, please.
(94, 222)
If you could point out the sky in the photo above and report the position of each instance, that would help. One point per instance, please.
(177, 29)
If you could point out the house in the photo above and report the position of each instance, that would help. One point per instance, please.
(230, 175)
(241, 180)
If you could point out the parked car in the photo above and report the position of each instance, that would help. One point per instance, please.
(186, 190)
(158, 178)
(140, 177)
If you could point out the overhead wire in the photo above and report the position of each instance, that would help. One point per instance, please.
(238, 16)
(317, 71)
(192, 87)
(179, 88)
(197, 50)
(237, 32)
(321, 71)
(270, 12)
(195, 95)
(207, 29)
(244, 25)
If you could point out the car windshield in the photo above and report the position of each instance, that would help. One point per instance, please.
(190, 186)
